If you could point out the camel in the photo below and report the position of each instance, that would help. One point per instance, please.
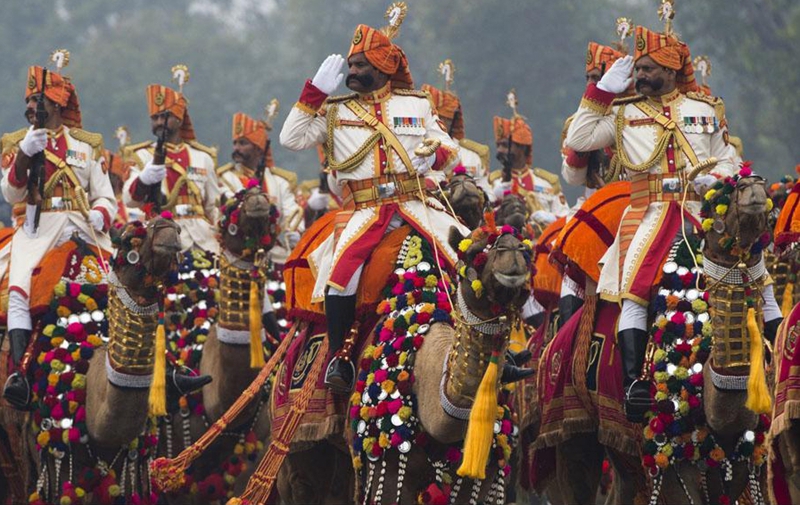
(226, 353)
(582, 448)
(447, 362)
(108, 417)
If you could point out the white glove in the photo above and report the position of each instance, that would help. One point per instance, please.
(96, 219)
(317, 200)
(702, 183)
(329, 75)
(423, 164)
(290, 239)
(501, 188)
(153, 174)
(543, 217)
(34, 141)
(619, 77)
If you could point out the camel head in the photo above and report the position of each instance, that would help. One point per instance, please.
(147, 256)
(735, 218)
(513, 211)
(466, 198)
(495, 267)
(248, 222)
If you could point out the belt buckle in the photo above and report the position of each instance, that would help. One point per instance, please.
(57, 203)
(386, 190)
(182, 209)
(671, 185)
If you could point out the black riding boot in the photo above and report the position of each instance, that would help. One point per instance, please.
(567, 306)
(340, 312)
(17, 390)
(632, 345)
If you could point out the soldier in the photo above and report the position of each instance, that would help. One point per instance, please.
(77, 197)
(474, 156)
(183, 181)
(376, 161)
(666, 129)
(252, 159)
(540, 188)
(118, 172)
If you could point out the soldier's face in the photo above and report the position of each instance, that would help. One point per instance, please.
(50, 107)
(651, 78)
(163, 120)
(511, 153)
(593, 75)
(362, 77)
(245, 152)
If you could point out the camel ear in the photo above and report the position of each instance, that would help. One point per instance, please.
(454, 238)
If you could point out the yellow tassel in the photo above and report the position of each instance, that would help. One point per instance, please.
(157, 402)
(234, 501)
(788, 299)
(758, 399)
(480, 429)
(518, 341)
(256, 348)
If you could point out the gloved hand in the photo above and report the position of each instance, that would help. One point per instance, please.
(97, 220)
(423, 164)
(290, 239)
(34, 141)
(619, 77)
(329, 75)
(543, 217)
(702, 183)
(317, 200)
(500, 189)
(153, 174)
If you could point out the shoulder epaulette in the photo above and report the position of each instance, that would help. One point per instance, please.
(129, 153)
(288, 175)
(628, 99)
(93, 139)
(549, 177)
(9, 140)
(566, 127)
(493, 176)
(227, 167)
(482, 150)
(211, 151)
(341, 98)
(411, 92)
(714, 101)
(308, 185)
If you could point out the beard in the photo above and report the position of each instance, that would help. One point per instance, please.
(654, 85)
(366, 81)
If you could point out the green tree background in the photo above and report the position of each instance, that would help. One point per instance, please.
(242, 53)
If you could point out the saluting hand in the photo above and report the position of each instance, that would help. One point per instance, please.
(619, 77)
(329, 75)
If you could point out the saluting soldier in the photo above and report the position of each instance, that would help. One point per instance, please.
(77, 197)
(371, 138)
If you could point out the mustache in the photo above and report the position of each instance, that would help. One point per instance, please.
(654, 85)
(236, 154)
(364, 80)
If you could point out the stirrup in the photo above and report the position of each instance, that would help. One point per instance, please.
(339, 386)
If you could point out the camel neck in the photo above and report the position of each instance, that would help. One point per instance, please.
(235, 278)
(131, 332)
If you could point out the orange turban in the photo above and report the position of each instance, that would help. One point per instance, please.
(669, 52)
(447, 105)
(787, 229)
(601, 57)
(60, 90)
(164, 99)
(253, 130)
(517, 129)
(383, 55)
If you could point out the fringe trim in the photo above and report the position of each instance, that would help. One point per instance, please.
(315, 432)
(618, 441)
(791, 412)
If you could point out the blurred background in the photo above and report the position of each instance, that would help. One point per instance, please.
(243, 53)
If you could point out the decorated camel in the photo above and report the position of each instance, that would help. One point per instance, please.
(232, 354)
(88, 436)
(702, 443)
